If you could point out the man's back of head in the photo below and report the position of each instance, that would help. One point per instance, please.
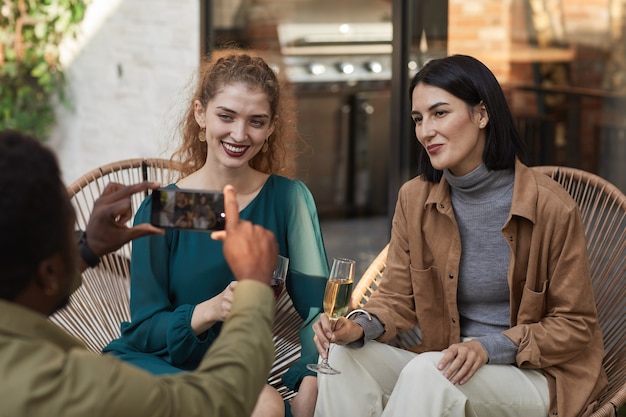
(36, 213)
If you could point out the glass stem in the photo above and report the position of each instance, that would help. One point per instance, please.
(332, 329)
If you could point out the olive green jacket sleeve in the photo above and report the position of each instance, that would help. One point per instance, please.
(48, 373)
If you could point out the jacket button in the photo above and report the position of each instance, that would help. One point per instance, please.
(451, 276)
(453, 320)
(511, 238)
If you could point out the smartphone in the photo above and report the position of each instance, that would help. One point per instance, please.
(174, 208)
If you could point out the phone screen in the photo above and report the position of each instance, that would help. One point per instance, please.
(173, 208)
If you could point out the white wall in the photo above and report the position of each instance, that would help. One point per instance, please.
(126, 77)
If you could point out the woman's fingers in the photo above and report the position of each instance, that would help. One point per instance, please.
(460, 361)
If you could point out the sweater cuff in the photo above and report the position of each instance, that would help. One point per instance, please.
(499, 348)
(371, 330)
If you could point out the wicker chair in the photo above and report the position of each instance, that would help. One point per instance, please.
(97, 308)
(603, 210)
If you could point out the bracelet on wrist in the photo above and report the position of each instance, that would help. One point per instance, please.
(359, 311)
(90, 258)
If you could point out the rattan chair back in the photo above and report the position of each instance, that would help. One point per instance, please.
(98, 307)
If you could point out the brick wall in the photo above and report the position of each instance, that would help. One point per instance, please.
(495, 30)
(497, 33)
(125, 77)
(481, 28)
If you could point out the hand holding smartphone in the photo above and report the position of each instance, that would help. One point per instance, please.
(174, 208)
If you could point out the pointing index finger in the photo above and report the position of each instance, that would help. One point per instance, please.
(231, 208)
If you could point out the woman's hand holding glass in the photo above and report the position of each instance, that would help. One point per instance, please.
(341, 332)
(336, 304)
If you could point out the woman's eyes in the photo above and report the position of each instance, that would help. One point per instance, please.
(253, 122)
(436, 113)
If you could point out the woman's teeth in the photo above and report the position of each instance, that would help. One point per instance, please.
(232, 148)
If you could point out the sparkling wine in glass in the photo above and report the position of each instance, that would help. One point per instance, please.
(336, 302)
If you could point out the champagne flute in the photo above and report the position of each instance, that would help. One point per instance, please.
(336, 302)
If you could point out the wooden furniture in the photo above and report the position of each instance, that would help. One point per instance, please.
(97, 308)
(603, 210)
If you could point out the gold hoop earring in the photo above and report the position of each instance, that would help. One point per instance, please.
(266, 145)
(201, 135)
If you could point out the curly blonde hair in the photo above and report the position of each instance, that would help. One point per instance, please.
(225, 67)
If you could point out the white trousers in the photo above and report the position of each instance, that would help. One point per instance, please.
(380, 380)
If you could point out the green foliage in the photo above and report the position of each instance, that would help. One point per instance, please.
(31, 76)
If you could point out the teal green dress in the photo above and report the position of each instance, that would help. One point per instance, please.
(172, 273)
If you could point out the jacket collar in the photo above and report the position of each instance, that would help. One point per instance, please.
(439, 194)
(524, 201)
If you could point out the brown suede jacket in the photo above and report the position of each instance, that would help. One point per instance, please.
(553, 315)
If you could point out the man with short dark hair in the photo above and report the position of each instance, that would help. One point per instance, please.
(45, 371)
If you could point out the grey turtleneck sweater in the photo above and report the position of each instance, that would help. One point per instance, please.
(481, 202)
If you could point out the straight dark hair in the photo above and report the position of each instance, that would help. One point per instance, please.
(470, 80)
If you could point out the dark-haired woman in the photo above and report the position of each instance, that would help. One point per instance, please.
(488, 258)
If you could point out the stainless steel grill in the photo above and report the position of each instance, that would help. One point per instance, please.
(341, 73)
(336, 52)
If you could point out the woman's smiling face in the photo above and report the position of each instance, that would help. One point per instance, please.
(452, 133)
(238, 120)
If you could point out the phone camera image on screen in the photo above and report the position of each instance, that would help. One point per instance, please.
(174, 208)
